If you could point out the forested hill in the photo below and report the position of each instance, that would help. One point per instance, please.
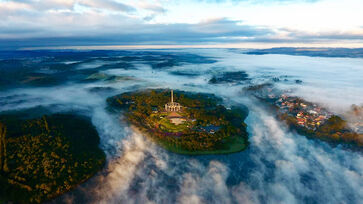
(44, 157)
(208, 127)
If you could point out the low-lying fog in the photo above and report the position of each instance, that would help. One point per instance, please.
(278, 167)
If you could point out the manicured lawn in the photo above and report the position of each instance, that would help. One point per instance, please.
(167, 126)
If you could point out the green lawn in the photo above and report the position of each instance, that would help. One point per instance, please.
(167, 126)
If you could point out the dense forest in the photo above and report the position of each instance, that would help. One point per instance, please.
(44, 157)
(204, 109)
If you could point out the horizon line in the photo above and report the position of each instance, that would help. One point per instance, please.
(200, 46)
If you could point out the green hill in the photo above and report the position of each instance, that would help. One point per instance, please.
(207, 128)
(45, 157)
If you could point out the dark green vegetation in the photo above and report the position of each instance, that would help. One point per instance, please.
(202, 112)
(53, 71)
(101, 89)
(334, 130)
(258, 87)
(170, 60)
(229, 77)
(107, 78)
(46, 157)
(185, 73)
(50, 68)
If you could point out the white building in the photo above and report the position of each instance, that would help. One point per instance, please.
(172, 106)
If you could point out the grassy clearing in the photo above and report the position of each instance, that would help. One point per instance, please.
(167, 126)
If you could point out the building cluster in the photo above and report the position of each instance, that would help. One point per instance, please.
(308, 115)
(356, 117)
(210, 128)
(358, 127)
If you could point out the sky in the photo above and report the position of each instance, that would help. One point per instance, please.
(181, 23)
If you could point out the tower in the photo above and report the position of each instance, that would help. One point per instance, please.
(172, 96)
(172, 106)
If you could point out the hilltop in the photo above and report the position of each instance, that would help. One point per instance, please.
(197, 124)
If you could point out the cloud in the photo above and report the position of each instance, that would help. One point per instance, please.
(38, 6)
(106, 22)
(304, 36)
(107, 32)
(331, 36)
(155, 7)
(261, 1)
(107, 4)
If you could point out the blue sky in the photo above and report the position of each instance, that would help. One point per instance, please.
(198, 23)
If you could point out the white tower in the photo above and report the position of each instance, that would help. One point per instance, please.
(172, 106)
(172, 96)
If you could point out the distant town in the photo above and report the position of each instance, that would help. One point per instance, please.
(308, 115)
(311, 119)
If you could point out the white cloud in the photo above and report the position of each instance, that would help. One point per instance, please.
(325, 21)
(107, 4)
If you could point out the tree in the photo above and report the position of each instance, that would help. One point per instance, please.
(1, 146)
(3, 160)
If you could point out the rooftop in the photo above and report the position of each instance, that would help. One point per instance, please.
(174, 115)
